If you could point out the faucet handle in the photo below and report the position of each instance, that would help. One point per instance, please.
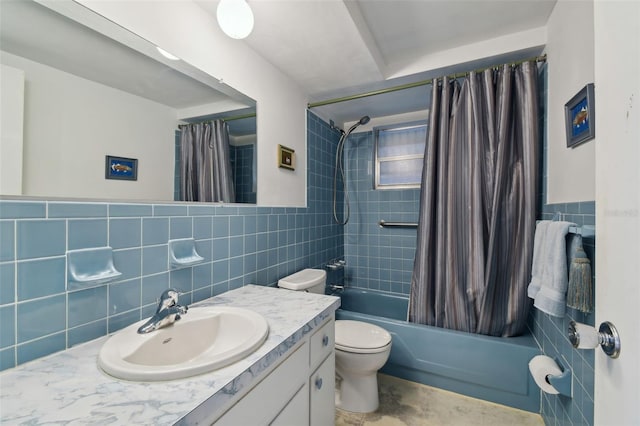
(168, 298)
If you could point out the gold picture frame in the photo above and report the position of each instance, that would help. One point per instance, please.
(286, 158)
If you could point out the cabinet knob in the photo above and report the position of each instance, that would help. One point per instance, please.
(325, 340)
(318, 383)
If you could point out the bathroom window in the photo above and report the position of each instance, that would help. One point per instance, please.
(399, 151)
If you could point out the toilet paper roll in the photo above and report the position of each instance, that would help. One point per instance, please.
(588, 336)
(542, 366)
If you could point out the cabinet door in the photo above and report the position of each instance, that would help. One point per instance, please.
(263, 403)
(322, 385)
(296, 413)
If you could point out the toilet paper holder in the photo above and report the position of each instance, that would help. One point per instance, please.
(562, 382)
(607, 337)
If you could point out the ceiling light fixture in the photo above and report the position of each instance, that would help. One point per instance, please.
(235, 18)
(167, 54)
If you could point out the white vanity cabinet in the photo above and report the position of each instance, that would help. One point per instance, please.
(322, 382)
(297, 392)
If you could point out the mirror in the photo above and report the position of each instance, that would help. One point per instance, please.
(73, 95)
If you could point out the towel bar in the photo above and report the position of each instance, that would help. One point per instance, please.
(384, 224)
(587, 231)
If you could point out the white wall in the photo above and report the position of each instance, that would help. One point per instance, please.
(70, 124)
(187, 31)
(570, 57)
(11, 130)
(617, 75)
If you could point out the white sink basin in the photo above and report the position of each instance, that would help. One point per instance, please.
(204, 339)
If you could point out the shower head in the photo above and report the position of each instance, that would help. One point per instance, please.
(363, 120)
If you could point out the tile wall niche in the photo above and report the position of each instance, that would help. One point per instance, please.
(241, 245)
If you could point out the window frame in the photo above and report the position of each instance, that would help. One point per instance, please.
(378, 159)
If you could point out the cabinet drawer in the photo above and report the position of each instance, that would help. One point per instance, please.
(322, 343)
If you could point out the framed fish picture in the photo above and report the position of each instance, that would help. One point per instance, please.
(121, 168)
(580, 117)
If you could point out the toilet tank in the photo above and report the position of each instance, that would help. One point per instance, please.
(310, 280)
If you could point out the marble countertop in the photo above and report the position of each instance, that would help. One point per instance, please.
(68, 387)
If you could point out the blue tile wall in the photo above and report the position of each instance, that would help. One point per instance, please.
(241, 245)
(242, 164)
(377, 258)
(551, 332)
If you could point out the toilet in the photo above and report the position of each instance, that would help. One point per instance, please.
(361, 349)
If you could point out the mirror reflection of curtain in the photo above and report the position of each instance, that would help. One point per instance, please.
(478, 204)
(205, 163)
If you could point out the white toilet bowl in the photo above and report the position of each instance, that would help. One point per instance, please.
(361, 350)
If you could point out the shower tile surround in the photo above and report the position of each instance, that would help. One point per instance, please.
(242, 164)
(241, 245)
(377, 258)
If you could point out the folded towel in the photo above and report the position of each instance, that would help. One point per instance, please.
(549, 279)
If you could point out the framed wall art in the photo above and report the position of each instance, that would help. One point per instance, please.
(580, 117)
(286, 158)
(121, 168)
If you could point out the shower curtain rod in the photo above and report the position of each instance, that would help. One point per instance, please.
(236, 117)
(310, 105)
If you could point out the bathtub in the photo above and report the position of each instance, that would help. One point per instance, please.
(490, 368)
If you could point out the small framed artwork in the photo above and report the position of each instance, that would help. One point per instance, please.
(121, 168)
(286, 157)
(580, 117)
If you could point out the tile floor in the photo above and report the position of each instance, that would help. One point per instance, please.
(404, 403)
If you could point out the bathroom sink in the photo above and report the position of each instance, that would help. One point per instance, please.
(204, 339)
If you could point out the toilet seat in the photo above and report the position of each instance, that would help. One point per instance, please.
(360, 337)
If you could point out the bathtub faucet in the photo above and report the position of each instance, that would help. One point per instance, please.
(336, 287)
(167, 313)
(336, 264)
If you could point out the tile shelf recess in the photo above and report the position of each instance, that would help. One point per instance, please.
(90, 267)
(182, 253)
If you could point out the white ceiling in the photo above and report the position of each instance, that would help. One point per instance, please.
(333, 48)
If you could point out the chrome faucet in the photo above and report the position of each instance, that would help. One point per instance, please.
(167, 313)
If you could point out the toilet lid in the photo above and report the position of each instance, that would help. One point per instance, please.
(358, 336)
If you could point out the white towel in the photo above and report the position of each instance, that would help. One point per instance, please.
(549, 278)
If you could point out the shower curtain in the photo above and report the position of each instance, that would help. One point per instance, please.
(205, 163)
(478, 203)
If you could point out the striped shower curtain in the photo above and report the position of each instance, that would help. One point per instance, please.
(478, 203)
(205, 163)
